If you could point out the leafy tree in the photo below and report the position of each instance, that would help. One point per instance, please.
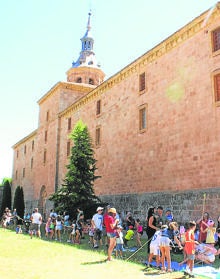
(6, 197)
(77, 188)
(19, 201)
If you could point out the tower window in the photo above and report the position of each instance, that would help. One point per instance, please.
(69, 124)
(98, 136)
(91, 81)
(45, 156)
(33, 145)
(25, 149)
(217, 87)
(16, 174)
(79, 80)
(98, 107)
(142, 82)
(68, 148)
(143, 118)
(23, 172)
(216, 39)
(47, 116)
(17, 153)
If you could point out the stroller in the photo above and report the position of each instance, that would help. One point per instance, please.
(26, 224)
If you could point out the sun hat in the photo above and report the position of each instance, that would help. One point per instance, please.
(112, 210)
(99, 208)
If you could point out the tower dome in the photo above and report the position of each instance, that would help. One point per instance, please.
(86, 69)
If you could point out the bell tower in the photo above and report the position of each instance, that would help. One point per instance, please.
(86, 69)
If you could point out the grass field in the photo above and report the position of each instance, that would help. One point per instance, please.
(22, 257)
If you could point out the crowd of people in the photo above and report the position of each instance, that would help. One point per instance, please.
(106, 228)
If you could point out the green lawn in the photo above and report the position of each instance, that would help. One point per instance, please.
(22, 257)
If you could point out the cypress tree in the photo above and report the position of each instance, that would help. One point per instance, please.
(77, 188)
(6, 199)
(19, 201)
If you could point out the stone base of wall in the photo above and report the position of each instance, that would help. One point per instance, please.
(185, 205)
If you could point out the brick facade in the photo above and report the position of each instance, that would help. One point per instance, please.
(177, 152)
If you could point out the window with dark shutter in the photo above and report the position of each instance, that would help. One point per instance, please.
(142, 82)
(216, 39)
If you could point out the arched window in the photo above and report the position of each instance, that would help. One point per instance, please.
(79, 80)
(91, 81)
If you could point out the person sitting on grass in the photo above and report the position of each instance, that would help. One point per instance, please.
(129, 235)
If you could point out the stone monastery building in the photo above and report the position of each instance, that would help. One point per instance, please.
(155, 126)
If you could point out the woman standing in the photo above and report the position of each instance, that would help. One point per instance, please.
(151, 226)
(202, 222)
(111, 225)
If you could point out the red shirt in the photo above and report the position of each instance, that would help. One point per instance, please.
(189, 242)
(108, 220)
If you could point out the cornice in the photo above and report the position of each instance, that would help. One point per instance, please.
(84, 69)
(31, 135)
(162, 48)
(80, 87)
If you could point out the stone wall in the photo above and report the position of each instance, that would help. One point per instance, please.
(186, 205)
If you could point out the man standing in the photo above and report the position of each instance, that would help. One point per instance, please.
(161, 220)
(97, 222)
(36, 220)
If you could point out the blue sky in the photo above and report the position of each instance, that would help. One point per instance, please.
(41, 38)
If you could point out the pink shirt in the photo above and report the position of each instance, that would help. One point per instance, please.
(107, 221)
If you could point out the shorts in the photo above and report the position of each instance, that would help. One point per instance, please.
(58, 228)
(155, 250)
(111, 235)
(119, 247)
(91, 233)
(47, 230)
(164, 241)
(97, 234)
(34, 227)
(190, 257)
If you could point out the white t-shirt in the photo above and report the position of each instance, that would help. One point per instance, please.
(155, 241)
(98, 221)
(36, 218)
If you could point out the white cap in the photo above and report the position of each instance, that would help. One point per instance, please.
(99, 208)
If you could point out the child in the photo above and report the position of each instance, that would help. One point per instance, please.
(52, 228)
(18, 229)
(119, 242)
(72, 233)
(139, 233)
(211, 229)
(168, 216)
(190, 249)
(128, 236)
(167, 234)
(47, 227)
(155, 249)
(91, 233)
(58, 228)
